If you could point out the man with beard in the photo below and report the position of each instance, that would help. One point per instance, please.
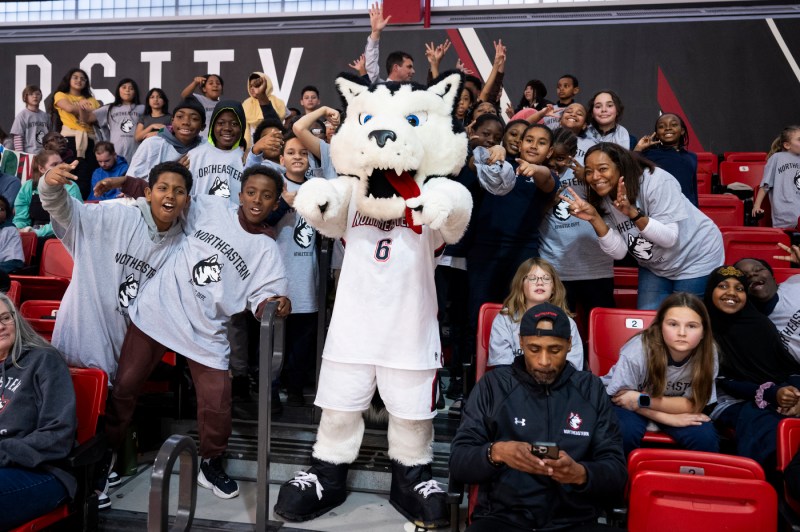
(540, 403)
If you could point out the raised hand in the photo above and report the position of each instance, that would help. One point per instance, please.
(376, 20)
(578, 207)
(463, 68)
(359, 64)
(622, 203)
(61, 174)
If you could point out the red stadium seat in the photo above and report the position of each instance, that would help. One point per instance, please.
(723, 209)
(35, 287)
(626, 287)
(486, 316)
(749, 173)
(704, 180)
(693, 463)
(56, 260)
(14, 292)
(746, 156)
(91, 389)
(665, 502)
(707, 161)
(41, 315)
(29, 241)
(753, 242)
(609, 329)
(781, 274)
(788, 444)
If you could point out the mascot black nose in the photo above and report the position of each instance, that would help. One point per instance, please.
(382, 135)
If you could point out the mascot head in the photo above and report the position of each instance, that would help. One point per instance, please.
(395, 137)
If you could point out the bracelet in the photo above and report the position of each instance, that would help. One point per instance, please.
(639, 214)
(489, 455)
(760, 402)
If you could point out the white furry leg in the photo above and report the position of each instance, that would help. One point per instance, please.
(339, 436)
(410, 441)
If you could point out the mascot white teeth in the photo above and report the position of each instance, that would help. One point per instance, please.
(395, 207)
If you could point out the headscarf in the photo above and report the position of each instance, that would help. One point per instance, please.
(252, 107)
(750, 346)
(228, 105)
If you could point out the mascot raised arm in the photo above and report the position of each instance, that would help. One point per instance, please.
(394, 206)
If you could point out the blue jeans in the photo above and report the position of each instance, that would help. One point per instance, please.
(654, 289)
(26, 494)
(695, 438)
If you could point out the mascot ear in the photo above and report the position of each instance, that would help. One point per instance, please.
(448, 86)
(350, 86)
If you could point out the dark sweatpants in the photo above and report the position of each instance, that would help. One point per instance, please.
(139, 357)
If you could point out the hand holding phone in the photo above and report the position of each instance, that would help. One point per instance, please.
(542, 449)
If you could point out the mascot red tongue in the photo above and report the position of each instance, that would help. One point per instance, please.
(405, 185)
(383, 332)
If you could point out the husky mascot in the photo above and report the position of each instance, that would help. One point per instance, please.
(395, 206)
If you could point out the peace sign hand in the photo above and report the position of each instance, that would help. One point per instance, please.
(622, 203)
(578, 207)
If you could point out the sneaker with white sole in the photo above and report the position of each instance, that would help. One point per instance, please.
(114, 479)
(212, 476)
(103, 501)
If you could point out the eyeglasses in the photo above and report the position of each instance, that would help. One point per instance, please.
(7, 319)
(544, 279)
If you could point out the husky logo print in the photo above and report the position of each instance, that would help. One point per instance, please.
(561, 210)
(303, 233)
(220, 188)
(797, 180)
(207, 271)
(126, 126)
(128, 291)
(640, 247)
(574, 421)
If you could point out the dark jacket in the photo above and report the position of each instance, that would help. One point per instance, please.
(574, 412)
(37, 413)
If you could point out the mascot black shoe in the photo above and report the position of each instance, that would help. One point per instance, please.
(418, 497)
(314, 492)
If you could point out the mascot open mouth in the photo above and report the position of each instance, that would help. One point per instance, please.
(389, 184)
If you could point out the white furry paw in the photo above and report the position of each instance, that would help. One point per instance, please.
(430, 209)
(318, 201)
(444, 205)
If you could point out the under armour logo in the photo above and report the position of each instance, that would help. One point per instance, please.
(519, 421)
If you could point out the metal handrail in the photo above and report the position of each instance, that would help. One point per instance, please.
(176, 446)
(271, 361)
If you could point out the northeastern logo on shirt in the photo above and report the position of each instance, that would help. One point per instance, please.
(128, 291)
(207, 271)
(574, 422)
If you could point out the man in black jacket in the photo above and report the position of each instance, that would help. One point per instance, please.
(539, 398)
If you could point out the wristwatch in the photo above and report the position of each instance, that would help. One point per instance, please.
(639, 214)
(644, 399)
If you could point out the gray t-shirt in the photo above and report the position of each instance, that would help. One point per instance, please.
(220, 270)
(698, 249)
(216, 172)
(786, 315)
(504, 342)
(10, 244)
(297, 242)
(322, 167)
(630, 373)
(569, 243)
(120, 121)
(209, 105)
(151, 151)
(115, 257)
(32, 126)
(782, 180)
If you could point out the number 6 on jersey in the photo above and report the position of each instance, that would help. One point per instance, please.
(383, 249)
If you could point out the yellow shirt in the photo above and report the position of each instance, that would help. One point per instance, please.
(69, 119)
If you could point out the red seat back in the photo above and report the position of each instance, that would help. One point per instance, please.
(788, 445)
(609, 329)
(723, 209)
(703, 182)
(749, 173)
(486, 316)
(14, 292)
(35, 287)
(693, 463)
(41, 315)
(56, 260)
(707, 162)
(91, 390)
(746, 156)
(753, 242)
(28, 245)
(781, 274)
(666, 502)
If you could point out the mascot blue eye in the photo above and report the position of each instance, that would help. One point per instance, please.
(364, 118)
(416, 119)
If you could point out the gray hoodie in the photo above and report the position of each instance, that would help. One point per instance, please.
(37, 412)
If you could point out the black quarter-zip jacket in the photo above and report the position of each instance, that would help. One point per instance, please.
(575, 412)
